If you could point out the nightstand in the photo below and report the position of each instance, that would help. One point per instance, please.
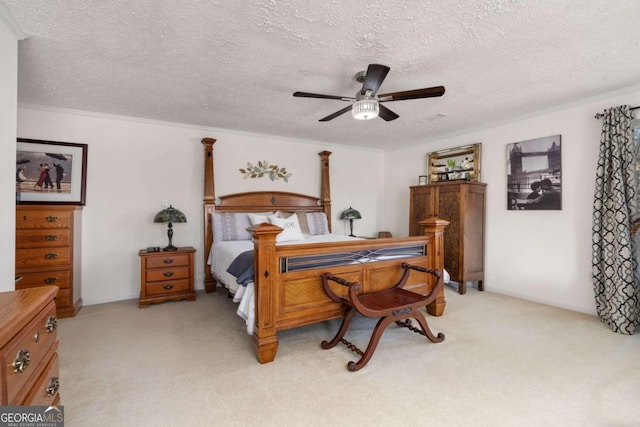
(166, 276)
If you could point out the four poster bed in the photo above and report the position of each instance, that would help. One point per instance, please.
(286, 280)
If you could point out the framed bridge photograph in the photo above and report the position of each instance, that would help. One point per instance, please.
(50, 172)
(534, 174)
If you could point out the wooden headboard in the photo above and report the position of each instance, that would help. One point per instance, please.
(256, 201)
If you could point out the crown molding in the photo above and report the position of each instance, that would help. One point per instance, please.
(10, 23)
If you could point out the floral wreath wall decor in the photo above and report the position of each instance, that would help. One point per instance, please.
(262, 169)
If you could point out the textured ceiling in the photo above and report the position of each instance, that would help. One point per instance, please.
(235, 63)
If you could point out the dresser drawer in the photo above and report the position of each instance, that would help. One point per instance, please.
(167, 274)
(25, 352)
(43, 258)
(167, 287)
(167, 260)
(45, 390)
(42, 238)
(43, 219)
(61, 279)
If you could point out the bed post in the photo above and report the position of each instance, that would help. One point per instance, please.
(434, 228)
(209, 208)
(265, 289)
(325, 191)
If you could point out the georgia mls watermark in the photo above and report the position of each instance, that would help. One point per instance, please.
(31, 416)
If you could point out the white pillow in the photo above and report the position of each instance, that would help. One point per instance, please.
(291, 228)
(317, 223)
(259, 218)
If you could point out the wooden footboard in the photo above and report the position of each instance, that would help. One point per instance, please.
(288, 284)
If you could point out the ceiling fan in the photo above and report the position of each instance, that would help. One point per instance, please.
(366, 103)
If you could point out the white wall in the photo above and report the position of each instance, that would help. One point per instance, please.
(543, 256)
(135, 164)
(8, 103)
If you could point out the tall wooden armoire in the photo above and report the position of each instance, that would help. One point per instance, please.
(462, 203)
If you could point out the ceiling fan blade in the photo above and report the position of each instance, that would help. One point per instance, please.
(376, 74)
(317, 95)
(386, 114)
(336, 114)
(429, 92)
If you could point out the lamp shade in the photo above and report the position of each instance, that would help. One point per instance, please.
(365, 109)
(170, 214)
(351, 214)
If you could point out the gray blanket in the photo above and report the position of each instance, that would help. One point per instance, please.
(242, 268)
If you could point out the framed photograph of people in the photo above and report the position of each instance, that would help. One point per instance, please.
(534, 174)
(50, 172)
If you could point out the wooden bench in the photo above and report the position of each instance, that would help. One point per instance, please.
(390, 305)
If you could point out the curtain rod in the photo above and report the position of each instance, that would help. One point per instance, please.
(601, 115)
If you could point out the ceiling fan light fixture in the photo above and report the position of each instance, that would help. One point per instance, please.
(365, 109)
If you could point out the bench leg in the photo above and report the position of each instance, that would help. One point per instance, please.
(348, 315)
(373, 343)
(427, 331)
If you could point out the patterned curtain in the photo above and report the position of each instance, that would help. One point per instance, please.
(615, 276)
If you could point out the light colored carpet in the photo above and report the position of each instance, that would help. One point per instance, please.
(504, 362)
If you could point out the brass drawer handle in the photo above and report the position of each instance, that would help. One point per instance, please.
(51, 255)
(168, 273)
(50, 280)
(167, 287)
(167, 260)
(22, 361)
(52, 218)
(53, 386)
(52, 324)
(36, 336)
(51, 237)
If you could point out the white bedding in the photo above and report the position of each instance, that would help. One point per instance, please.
(223, 253)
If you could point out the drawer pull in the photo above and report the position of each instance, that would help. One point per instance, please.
(51, 279)
(168, 273)
(53, 386)
(167, 287)
(52, 324)
(22, 361)
(36, 336)
(51, 255)
(53, 218)
(168, 260)
(51, 237)
(24, 217)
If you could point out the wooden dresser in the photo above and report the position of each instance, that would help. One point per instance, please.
(462, 203)
(166, 276)
(48, 252)
(28, 347)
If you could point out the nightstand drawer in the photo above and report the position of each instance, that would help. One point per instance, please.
(43, 219)
(43, 257)
(167, 260)
(167, 274)
(167, 287)
(42, 238)
(60, 279)
(26, 351)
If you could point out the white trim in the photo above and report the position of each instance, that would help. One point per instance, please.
(12, 25)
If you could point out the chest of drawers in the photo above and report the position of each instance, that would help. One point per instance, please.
(166, 276)
(28, 347)
(48, 252)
